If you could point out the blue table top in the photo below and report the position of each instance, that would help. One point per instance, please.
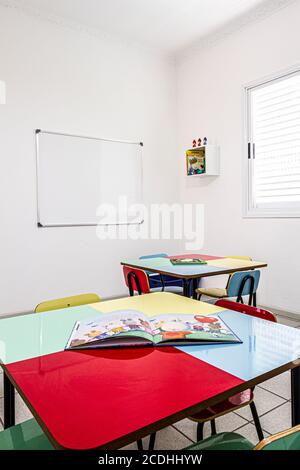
(266, 346)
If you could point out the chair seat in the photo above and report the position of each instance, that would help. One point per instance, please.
(236, 401)
(25, 436)
(223, 441)
(212, 292)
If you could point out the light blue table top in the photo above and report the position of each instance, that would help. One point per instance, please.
(266, 346)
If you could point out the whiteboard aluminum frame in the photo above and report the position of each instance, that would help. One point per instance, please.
(92, 224)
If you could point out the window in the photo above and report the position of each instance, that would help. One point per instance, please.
(273, 137)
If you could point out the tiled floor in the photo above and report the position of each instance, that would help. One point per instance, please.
(272, 399)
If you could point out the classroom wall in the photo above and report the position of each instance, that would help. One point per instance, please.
(63, 79)
(210, 102)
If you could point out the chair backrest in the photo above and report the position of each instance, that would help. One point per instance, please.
(247, 309)
(243, 258)
(66, 302)
(243, 283)
(285, 440)
(156, 255)
(136, 280)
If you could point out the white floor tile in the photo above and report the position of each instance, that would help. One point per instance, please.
(228, 422)
(249, 432)
(281, 385)
(265, 401)
(166, 439)
(287, 321)
(278, 419)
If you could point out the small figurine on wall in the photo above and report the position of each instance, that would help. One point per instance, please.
(205, 141)
(199, 142)
(194, 143)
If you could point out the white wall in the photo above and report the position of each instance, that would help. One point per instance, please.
(210, 103)
(65, 80)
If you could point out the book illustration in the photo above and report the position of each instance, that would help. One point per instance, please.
(132, 328)
(108, 326)
(187, 261)
(195, 161)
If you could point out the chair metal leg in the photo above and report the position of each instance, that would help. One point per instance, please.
(256, 421)
(140, 444)
(213, 427)
(152, 441)
(254, 300)
(200, 427)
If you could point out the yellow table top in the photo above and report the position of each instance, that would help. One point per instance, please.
(158, 303)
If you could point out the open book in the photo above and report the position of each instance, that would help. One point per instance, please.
(133, 328)
(188, 261)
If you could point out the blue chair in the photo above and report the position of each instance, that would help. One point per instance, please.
(164, 282)
(241, 283)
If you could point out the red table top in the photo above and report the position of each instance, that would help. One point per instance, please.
(108, 398)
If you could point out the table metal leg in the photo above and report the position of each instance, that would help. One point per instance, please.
(9, 402)
(195, 285)
(295, 386)
(186, 288)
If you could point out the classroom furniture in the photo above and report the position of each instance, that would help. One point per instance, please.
(174, 382)
(66, 302)
(240, 284)
(136, 280)
(81, 179)
(284, 440)
(25, 436)
(237, 401)
(242, 308)
(166, 283)
(191, 274)
(213, 290)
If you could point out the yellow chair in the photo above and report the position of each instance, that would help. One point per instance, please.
(216, 292)
(66, 302)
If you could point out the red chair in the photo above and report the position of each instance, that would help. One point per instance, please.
(253, 311)
(136, 280)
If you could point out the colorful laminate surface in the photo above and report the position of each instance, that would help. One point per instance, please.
(109, 398)
(89, 399)
(214, 266)
(27, 336)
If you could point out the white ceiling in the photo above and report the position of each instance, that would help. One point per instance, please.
(167, 25)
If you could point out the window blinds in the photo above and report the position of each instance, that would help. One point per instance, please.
(275, 143)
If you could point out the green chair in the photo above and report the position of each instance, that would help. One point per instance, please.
(285, 440)
(65, 302)
(24, 436)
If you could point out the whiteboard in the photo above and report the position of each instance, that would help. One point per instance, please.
(80, 180)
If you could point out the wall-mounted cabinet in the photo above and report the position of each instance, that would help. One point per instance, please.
(202, 161)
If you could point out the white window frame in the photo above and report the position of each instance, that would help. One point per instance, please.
(249, 211)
